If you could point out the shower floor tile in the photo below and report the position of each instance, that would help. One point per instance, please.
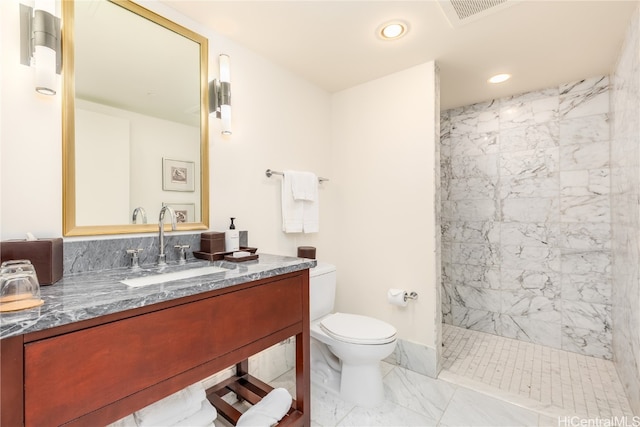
(548, 380)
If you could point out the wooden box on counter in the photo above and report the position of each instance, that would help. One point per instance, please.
(45, 254)
(212, 242)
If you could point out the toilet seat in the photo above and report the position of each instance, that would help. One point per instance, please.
(357, 329)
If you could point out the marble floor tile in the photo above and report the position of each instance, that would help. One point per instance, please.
(327, 409)
(486, 381)
(548, 380)
(413, 399)
(470, 408)
(424, 395)
(387, 414)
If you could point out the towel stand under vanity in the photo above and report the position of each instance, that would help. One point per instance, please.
(96, 371)
(249, 389)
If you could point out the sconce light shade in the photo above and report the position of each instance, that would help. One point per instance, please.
(225, 75)
(220, 96)
(225, 115)
(40, 44)
(45, 63)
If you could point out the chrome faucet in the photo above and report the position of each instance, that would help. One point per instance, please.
(162, 258)
(139, 211)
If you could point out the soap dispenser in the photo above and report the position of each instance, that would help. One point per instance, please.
(232, 238)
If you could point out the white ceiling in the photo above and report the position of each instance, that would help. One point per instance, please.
(333, 43)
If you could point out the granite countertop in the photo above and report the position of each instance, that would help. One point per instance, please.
(88, 295)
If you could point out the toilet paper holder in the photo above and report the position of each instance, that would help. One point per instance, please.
(411, 295)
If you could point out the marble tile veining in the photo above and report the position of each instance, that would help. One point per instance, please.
(584, 129)
(586, 103)
(527, 216)
(529, 234)
(590, 84)
(477, 276)
(587, 155)
(537, 136)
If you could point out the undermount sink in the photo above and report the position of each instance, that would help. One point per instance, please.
(175, 275)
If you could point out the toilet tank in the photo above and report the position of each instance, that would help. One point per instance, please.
(322, 290)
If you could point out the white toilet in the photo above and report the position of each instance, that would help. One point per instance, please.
(346, 349)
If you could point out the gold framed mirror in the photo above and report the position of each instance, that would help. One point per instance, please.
(134, 120)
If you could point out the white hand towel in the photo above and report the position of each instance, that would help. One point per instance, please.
(172, 408)
(268, 411)
(292, 210)
(311, 216)
(203, 418)
(304, 186)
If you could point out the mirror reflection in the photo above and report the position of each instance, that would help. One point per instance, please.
(139, 126)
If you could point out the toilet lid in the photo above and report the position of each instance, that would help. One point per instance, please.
(357, 329)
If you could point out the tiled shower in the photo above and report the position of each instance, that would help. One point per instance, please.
(526, 217)
(541, 216)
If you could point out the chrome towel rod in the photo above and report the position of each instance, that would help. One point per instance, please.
(269, 172)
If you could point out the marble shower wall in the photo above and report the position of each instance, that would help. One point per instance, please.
(625, 196)
(526, 220)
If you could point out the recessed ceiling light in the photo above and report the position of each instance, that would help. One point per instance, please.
(499, 78)
(393, 30)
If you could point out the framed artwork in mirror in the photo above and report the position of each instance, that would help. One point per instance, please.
(185, 212)
(177, 175)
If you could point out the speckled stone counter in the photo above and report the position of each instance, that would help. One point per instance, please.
(89, 295)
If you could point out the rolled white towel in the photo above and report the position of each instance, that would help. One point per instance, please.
(203, 418)
(254, 419)
(268, 411)
(172, 408)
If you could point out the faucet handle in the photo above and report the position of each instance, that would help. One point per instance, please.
(133, 253)
(182, 254)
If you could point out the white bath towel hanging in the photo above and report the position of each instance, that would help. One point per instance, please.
(300, 202)
(292, 210)
(311, 216)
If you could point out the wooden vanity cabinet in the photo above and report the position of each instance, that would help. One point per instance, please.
(97, 371)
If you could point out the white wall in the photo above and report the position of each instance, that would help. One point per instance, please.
(30, 142)
(384, 181)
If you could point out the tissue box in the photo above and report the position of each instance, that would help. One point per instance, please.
(212, 242)
(44, 254)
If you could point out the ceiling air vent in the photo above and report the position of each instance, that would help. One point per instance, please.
(460, 12)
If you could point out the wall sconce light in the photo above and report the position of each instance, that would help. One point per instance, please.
(40, 44)
(220, 95)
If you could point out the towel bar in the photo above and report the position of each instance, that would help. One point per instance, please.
(270, 172)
